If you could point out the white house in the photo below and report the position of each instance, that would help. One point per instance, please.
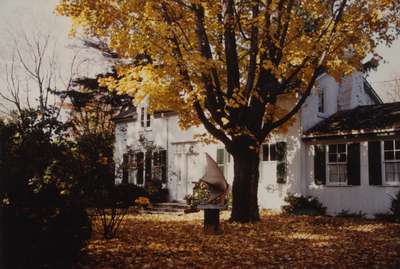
(344, 149)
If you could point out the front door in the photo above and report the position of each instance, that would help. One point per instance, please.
(188, 169)
(181, 177)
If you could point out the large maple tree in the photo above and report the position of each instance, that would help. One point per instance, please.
(231, 65)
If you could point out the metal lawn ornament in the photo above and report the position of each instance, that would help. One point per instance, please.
(217, 188)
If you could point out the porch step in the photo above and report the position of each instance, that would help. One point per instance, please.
(166, 208)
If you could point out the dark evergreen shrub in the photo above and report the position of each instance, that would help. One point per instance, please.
(348, 214)
(303, 205)
(128, 193)
(157, 194)
(35, 237)
(395, 207)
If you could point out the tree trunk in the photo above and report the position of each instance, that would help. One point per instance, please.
(245, 184)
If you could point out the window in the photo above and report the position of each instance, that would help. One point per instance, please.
(391, 157)
(145, 118)
(160, 165)
(337, 164)
(221, 160)
(269, 152)
(142, 112)
(321, 100)
(148, 120)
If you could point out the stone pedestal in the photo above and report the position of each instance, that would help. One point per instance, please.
(211, 218)
(211, 221)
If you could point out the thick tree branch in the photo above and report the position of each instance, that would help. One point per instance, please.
(217, 133)
(231, 55)
(269, 127)
(251, 73)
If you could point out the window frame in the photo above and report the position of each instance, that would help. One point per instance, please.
(145, 119)
(337, 162)
(148, 120)
(159, 166)
(142, 112)
(221, 166)
(268, 145)
(383, 161)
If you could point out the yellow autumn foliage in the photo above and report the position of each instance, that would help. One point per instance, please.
(212, 60)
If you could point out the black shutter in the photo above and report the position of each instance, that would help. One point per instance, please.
(148, 168)
(125, 171)
(281, 162)
(319, 165)
(163, 161)
(375, 163)
(140, 168)
(353, 164)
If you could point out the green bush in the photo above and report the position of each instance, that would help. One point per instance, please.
(395, 207)
(384, 217)
(348, 214)
(303, 205)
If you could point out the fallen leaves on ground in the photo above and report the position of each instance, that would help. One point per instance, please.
(171, 241)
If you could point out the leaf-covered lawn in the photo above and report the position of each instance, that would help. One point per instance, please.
(159, 241)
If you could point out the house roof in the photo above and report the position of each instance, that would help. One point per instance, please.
(126, 113)
(371, 92)
(360, 120)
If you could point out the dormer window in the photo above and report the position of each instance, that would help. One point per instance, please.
(142, 112)
(145, 120)
(321, 100)
(148, 121)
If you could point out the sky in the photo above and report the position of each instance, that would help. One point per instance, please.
(18, 16)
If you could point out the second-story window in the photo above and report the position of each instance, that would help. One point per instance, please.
(269, 152)
(142, 111)
(321, 100)
(148, 119)
(145, 119)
